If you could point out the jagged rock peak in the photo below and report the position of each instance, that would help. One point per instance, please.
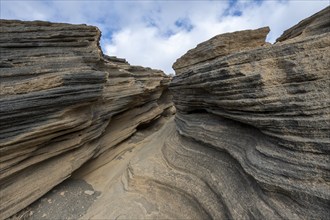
(317, 24)
(220, 46)
(115, 59)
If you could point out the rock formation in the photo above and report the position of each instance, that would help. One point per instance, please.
(250, 138)
(63, 103)
(268, 108)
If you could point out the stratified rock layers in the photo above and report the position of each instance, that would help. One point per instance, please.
(268, 107)
(250, 139)
(63, 103)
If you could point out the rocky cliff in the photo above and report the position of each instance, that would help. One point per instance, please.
(250, 139)
(267, 107)
(63, 103)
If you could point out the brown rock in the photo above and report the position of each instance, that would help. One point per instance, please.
(250, 139)
(220, 46)
(313, 25)
(277, 99)
(58, 97)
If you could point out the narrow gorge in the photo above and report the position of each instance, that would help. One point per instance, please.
(242, 131)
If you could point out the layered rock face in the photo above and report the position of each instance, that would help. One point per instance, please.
(266, 108)
(62, 103)
(250, 139)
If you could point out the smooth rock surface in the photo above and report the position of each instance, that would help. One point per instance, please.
(167, 176)
(59, 95)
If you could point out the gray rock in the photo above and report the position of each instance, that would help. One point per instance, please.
(89, 192)
(221, 46)
(59, 94)
(66, 201)
(276, 99)
(250, 139)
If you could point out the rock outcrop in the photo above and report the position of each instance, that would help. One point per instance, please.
(250, 138)
(221, 45)
(268, 108)
(62, 103)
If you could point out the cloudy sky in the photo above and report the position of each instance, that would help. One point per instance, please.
(156, 33)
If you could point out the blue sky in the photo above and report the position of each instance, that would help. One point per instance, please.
(156, 33)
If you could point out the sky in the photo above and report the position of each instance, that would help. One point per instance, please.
(156, 33)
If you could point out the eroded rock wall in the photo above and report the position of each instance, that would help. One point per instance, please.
(268, 107)
(250, 139)
(62, 103)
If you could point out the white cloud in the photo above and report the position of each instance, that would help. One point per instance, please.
(145, 32)
(143, 45)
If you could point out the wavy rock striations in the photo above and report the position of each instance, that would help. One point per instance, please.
(62, 103)
(250, 139)
(268, 108)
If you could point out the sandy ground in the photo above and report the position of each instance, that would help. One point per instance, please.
(69, 200)
(85, 189)
(107, 173)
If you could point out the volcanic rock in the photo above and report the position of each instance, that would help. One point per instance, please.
(250, 138)
(220, 46)
(59, 97)
(268, 109)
